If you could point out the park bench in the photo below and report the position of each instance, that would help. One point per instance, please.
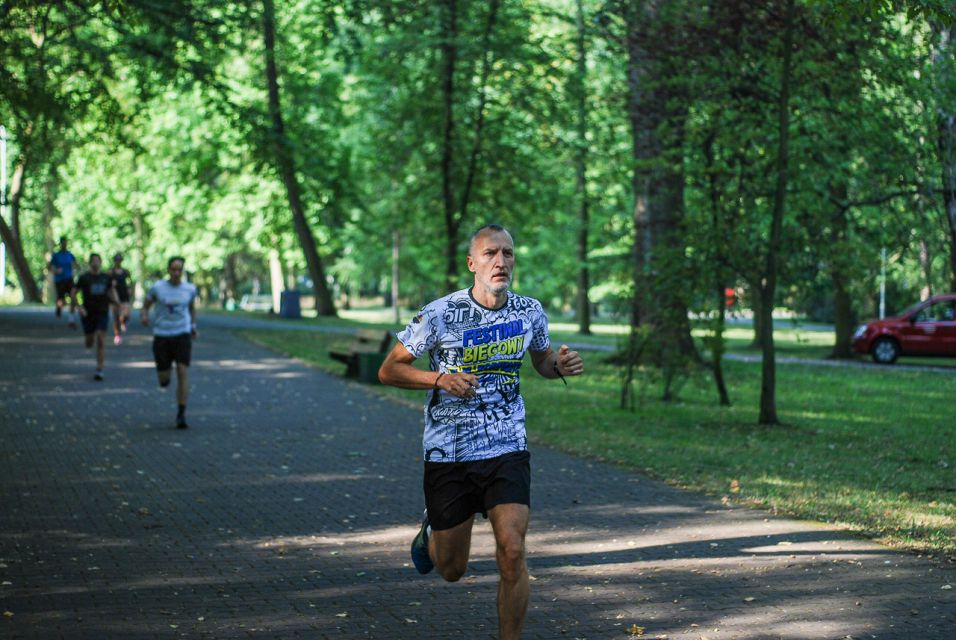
(367, 352)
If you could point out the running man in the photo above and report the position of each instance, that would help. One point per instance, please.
(61, 265)
(475, 447)
(121, 309)
(174, 328)
(98, 291)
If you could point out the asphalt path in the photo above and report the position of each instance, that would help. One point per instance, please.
(286, 511)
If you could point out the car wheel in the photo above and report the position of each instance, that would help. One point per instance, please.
(885, 351)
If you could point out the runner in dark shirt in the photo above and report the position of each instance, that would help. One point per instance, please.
(98, 290)
(121, 308)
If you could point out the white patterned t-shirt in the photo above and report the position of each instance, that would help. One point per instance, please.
(461, 335)
(171, 315)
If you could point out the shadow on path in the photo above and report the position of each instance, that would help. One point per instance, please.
(287, 509)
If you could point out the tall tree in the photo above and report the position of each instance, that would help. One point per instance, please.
(458, 183)
(583, 302)
(944, 63)
(285, 164)
(658, 42)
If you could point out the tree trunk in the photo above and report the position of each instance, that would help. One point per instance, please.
(285, 163)
(843, 318)
(718, 345)
(229, 280)
(396, 254)
(10, 235)
(50, 189)
(655, 109)
(768, 385)
(456, 213)
(28, 285)
(926, 268)
(753, 294)
(946, 132)
(449, 48)
(718, 260)
(640, 152)
(583, 303)
(139, 226)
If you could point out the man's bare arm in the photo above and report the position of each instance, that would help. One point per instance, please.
(398, 371)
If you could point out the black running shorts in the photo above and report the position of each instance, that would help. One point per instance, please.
(455, 491)
(63, 288)
(93, 322)
(169, 349)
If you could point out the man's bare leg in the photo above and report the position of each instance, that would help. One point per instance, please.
(449, 550)
(182, 384)
(182, 394)
(100, 350)
(510, 524)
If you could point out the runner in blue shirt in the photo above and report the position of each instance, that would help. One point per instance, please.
(475, 447)
(61, 265)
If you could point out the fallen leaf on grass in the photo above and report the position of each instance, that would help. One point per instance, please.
(636, 630)
(7, 614)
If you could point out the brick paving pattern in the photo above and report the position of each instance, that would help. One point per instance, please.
(287, 509)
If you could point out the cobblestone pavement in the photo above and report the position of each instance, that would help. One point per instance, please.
(287, 509)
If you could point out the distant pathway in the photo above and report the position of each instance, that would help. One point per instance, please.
(287, 509)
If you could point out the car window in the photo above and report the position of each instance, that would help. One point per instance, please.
(939, 312)
(947, 313)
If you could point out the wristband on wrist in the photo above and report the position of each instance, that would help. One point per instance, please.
(437, 379)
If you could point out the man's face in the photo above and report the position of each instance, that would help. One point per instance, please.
(176, 271)
(95, 263)
(492, 260)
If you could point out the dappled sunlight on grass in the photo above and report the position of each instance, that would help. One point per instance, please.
(875, 434)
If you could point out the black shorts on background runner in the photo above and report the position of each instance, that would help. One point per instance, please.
(455, 491)
(93, 322)
(63, 288)
(169, 349)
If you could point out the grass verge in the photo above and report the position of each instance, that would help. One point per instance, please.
(870, 450)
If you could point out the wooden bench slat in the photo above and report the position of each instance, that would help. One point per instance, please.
(365, 341)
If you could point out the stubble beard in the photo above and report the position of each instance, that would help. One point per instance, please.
(497, 288)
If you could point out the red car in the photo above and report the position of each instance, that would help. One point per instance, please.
(927, 328)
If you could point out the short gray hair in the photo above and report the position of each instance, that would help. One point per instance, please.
(488, 227)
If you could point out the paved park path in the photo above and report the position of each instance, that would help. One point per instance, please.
(287, 509)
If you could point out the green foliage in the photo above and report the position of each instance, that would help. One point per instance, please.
(146, 131)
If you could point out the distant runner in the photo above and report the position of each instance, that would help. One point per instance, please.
(61, 265)
(174, 328)
(121, 309)
(97, 291)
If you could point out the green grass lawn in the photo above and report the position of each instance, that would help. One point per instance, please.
(873, 450)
